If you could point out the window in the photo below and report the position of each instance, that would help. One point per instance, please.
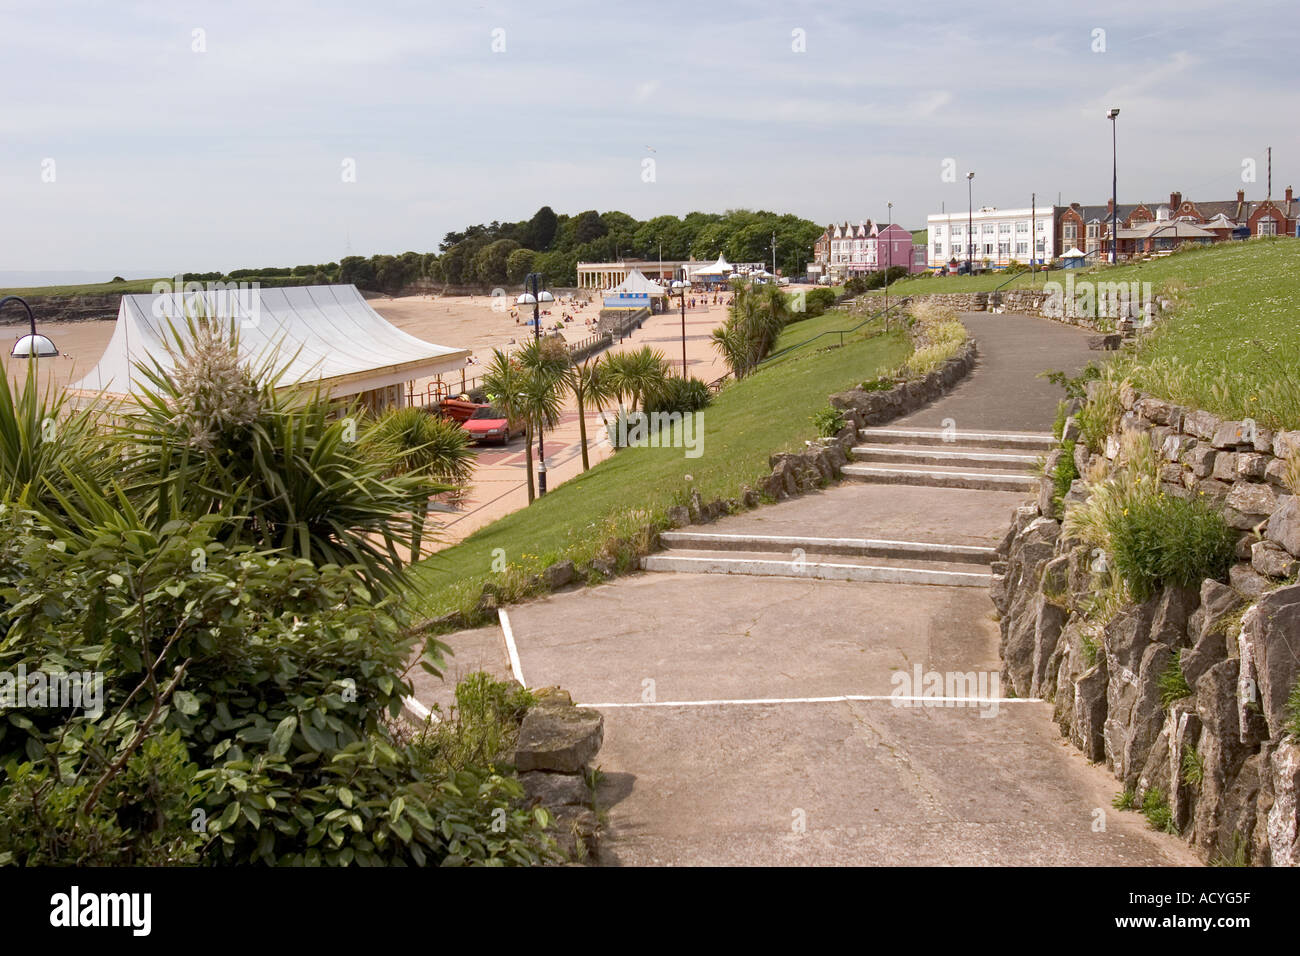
(1004, 248)
(1267, 227)
(988, 229)
(957, 231)
(1022, 228)
(1004, 229)
(1042, 226)
(988, 248)
(1071, 231)
(1092, 230)
(1022, 248)
(938, 250)
(938, 232)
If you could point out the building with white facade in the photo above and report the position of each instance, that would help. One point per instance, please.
(996, 236)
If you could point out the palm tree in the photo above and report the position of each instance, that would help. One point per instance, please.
(503, 380)
(635, 374)
(591, 387)
(409, 441)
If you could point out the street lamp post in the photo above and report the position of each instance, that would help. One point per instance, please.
(682, 285)
(31, 345)
(970, 218)
(535, 299)
(889, 256)
(1111, 115)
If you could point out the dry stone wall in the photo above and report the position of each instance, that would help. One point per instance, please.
(1221, 756)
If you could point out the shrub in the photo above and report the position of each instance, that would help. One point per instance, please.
(1193, 768)
(816, 302)
(679, 395)
(1159, 540)
(1293, 712)
(828, 421)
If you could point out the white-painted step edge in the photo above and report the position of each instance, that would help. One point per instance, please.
(817, 570)
(1039, 440)
(715, 541)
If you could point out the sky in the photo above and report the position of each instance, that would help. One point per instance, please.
(146, 139)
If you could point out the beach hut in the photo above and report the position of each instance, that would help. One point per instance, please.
(326, 334)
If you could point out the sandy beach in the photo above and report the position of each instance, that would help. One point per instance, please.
(479, 323)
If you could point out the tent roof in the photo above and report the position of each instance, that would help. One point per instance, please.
(325, 333)
(1074, 253)
(637, 284)
(719, 268)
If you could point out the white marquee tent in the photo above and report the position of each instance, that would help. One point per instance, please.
(637, 284)
(327, 334)
(719, 268)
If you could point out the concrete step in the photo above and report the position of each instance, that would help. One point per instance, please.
(820, 567)
(935, 455)
(938, 476)
(691, 540)
(1019, 441)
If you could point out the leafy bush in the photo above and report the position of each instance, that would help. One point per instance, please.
(816, 302)
(1193, 767)
(828, 421)
(1159, 540)
(679, 395)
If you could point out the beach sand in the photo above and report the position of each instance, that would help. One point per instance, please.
(471, 322)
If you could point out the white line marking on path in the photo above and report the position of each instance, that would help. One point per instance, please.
(421, 713)
(843, 698)
(510, 647)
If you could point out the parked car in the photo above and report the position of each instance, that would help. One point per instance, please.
(487, 424)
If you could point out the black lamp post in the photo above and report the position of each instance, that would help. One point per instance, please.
(1111, 114)
(682, 286)
(31, 345)
(970, 218)
(889, 256)
(535, 298)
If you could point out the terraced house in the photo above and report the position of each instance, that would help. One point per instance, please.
(1151, 228)
(845, 250)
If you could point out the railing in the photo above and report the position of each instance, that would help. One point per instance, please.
(840, 332)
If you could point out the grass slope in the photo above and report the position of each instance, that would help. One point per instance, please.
(129, 286)
(765, 413)
(1232, 343)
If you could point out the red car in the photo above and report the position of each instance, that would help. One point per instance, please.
(487, 424)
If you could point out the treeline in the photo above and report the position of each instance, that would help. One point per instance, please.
(499, 253)
(502, 253)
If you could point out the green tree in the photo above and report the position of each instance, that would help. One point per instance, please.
(541, 229)
(518, 264)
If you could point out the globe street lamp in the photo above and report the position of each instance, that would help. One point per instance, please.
(535, 298)
(1111, 115)
(681, 287)
(31, 345)
(970, 217)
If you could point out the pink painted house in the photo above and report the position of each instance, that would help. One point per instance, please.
(845, 250)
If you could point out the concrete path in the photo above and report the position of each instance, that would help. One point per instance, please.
(758, 720)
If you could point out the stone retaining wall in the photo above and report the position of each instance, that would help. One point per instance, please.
(557, 743)
(1220, 756)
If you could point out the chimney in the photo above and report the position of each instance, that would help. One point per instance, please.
(1241, 195)
(1175, 201)
(1074, 205)
(1289, 197)
(1110, 207)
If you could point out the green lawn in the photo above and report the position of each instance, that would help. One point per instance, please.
(130, 286)
(1232, 343)
(767, 412)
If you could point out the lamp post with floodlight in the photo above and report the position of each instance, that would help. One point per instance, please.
(1111, 115)
(535, 298)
